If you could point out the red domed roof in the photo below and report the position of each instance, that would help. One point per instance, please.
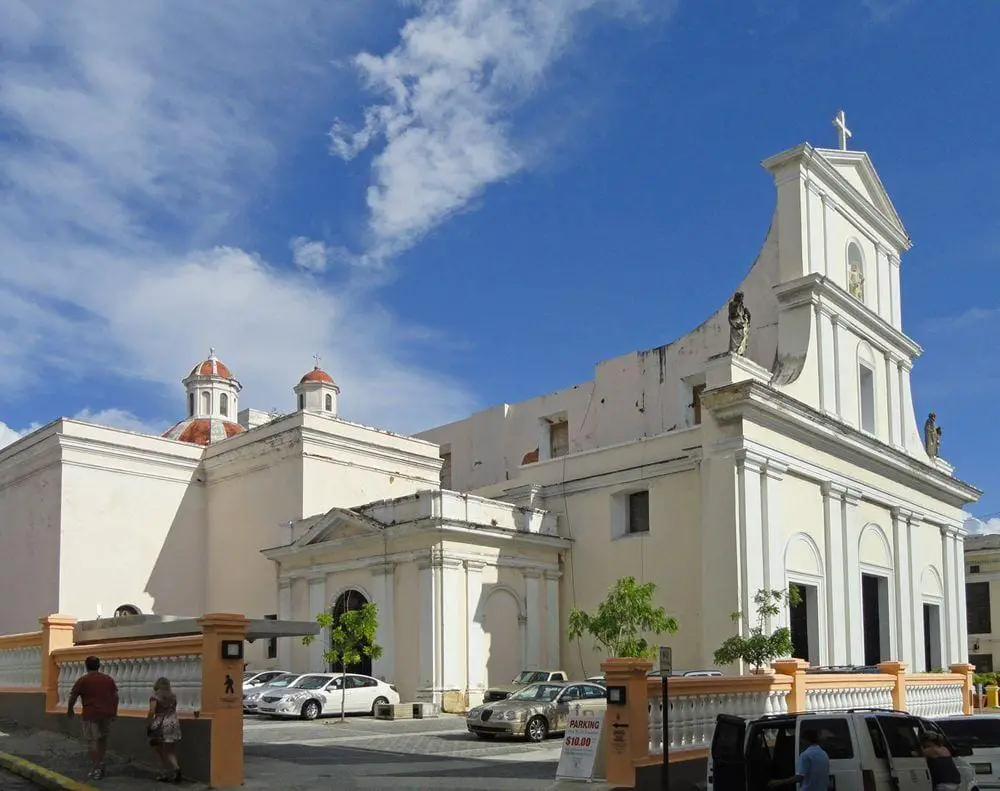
(203, 430)
(317, 374)
(213, 366)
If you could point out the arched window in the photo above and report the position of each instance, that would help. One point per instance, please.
(206, 403)
(126, 610)
(190, 404)
(855, 271)
(224, 405)
(349, 601)
(329, 402)
(302, 401)
(866, 388)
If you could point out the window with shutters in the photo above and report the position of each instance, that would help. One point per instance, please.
(638, 512)
(977, 603)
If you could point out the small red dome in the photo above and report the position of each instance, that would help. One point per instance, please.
(317, 375)
(203, 430)
(213, 366)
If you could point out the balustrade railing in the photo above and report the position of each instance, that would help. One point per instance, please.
(935, 695)
(21, 662)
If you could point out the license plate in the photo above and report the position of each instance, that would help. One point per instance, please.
(983, 769)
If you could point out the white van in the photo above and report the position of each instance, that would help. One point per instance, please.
(981, 734)
(869, 749)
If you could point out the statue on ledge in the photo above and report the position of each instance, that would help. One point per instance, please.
(856, 282)
(932, 436)
(739, 325)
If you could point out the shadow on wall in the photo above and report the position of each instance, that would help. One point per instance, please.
(502, 617)
(178, 579)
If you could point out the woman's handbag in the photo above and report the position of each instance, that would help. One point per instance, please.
(155, 728)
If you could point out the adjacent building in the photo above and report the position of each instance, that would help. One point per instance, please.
(982, 575)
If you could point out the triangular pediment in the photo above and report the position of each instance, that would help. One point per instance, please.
(339, 524)
(856, 168)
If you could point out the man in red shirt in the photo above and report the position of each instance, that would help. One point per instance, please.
(99, 694)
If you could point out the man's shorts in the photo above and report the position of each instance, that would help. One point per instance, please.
(95, 730)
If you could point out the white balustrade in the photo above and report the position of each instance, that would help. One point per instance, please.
(135, 678)
(935, 700)
(840, 698)
(21, 668)
(691, 720)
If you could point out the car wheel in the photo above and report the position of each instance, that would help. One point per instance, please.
(310, 710)
(379, 702)
(486, 735)
(537, 730)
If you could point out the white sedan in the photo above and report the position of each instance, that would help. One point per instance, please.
(319, 695)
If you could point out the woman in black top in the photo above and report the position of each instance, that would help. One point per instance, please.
(944, 773)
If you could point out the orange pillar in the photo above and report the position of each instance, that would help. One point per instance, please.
(222, 695)
(626, 728)
(796, 669)
(969, 684)
(898, 670)
(57, 632)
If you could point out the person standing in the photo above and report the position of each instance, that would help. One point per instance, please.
(99, 694)
(812, 770)
(164, 729)
(944, 773)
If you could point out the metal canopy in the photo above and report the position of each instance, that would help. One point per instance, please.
(147, 627)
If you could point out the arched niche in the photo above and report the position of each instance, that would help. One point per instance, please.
(350, 600)
(874, 549)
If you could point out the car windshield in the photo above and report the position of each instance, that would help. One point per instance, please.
(976, 732)
(311, 682)
(283, 680)
(531, 677)
(546, 693)
(248, 676)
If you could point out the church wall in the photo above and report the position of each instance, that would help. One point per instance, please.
(132, 524)
(30, 511)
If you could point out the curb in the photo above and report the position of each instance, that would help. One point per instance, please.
(40, 776)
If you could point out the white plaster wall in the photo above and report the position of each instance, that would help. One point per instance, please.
(30, 508)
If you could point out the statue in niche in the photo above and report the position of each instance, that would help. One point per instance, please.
(932, 436)
(856, 281)
(739, 325)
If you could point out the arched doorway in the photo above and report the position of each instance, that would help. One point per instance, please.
(349, 601)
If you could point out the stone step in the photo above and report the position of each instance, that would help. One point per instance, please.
(405, 711)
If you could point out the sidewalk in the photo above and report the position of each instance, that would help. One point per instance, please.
(68, 756)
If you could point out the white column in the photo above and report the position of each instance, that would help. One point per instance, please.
(384, 598)
(891, 398)
(285, 614)
(318, 604)
(533, 610)
(901, 404)
(950, 601)
(476, 660)
(771, 520)
(428, 645)
(897, 313)
(916, 598)
(826, 237)
(838, 618)
(963, 617)
(451, 622)
(442, 650)
(957, 646)
(884, 307)
(837, 379)
(903, 584)
(852, 578)
(824, 382)
(748, 472)
(553, 624)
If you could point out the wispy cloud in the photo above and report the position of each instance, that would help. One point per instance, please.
(131, 134)
(449, 88)
(115, 418)
(886, 10)
(978, 527)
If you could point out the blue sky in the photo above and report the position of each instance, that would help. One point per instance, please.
(460, 202)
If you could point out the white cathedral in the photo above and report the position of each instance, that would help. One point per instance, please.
(774, 445)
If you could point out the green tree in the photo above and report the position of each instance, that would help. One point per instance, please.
(622, 620)
(352, 636)
(757, 648)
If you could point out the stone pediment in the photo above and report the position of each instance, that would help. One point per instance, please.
(857, 169)
(338, 524)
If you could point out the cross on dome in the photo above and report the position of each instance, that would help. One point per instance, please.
(843, 133)
(211, 352)
(317, 358)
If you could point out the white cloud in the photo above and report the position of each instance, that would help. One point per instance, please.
(450, 85)
(131, 134)
(977, 527)
(115, 418)
(309, 255)
(7, 435)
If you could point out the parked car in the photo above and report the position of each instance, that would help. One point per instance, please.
(320, 694)
(981, 734)
(525, 677)
(599, 678)
(252, 696)
(869, 750)
(536, 711)
(260, 678)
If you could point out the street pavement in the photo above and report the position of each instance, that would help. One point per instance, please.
(364, 753)
(12, 782)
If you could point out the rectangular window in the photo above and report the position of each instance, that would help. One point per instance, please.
(558, 439)
(638, 512)
(900, 736)
(983, 662)
(866, 381)
(272, 644)
(446, 470)
(973, 569)
(977, 603)
(696, 392)
(834, 736)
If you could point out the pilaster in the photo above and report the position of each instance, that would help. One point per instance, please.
(901, 402)
(897, 313)
(854, 621)
(882, 286)
(285, 614)
(904, 592)
(838, 622)
(749, 470)
(384, 598)
(476, 635)
(317, 605)
(57, 632)
(553, 632)
(916, 626)
(533, 611)
(953, 563)
(443, 656)
(772, 517)
(838, 384)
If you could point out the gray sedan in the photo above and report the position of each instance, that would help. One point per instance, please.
(536, 711)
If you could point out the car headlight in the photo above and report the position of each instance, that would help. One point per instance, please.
(513, 715)
(476, 711)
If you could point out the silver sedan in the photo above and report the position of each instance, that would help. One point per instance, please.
(536, 711)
